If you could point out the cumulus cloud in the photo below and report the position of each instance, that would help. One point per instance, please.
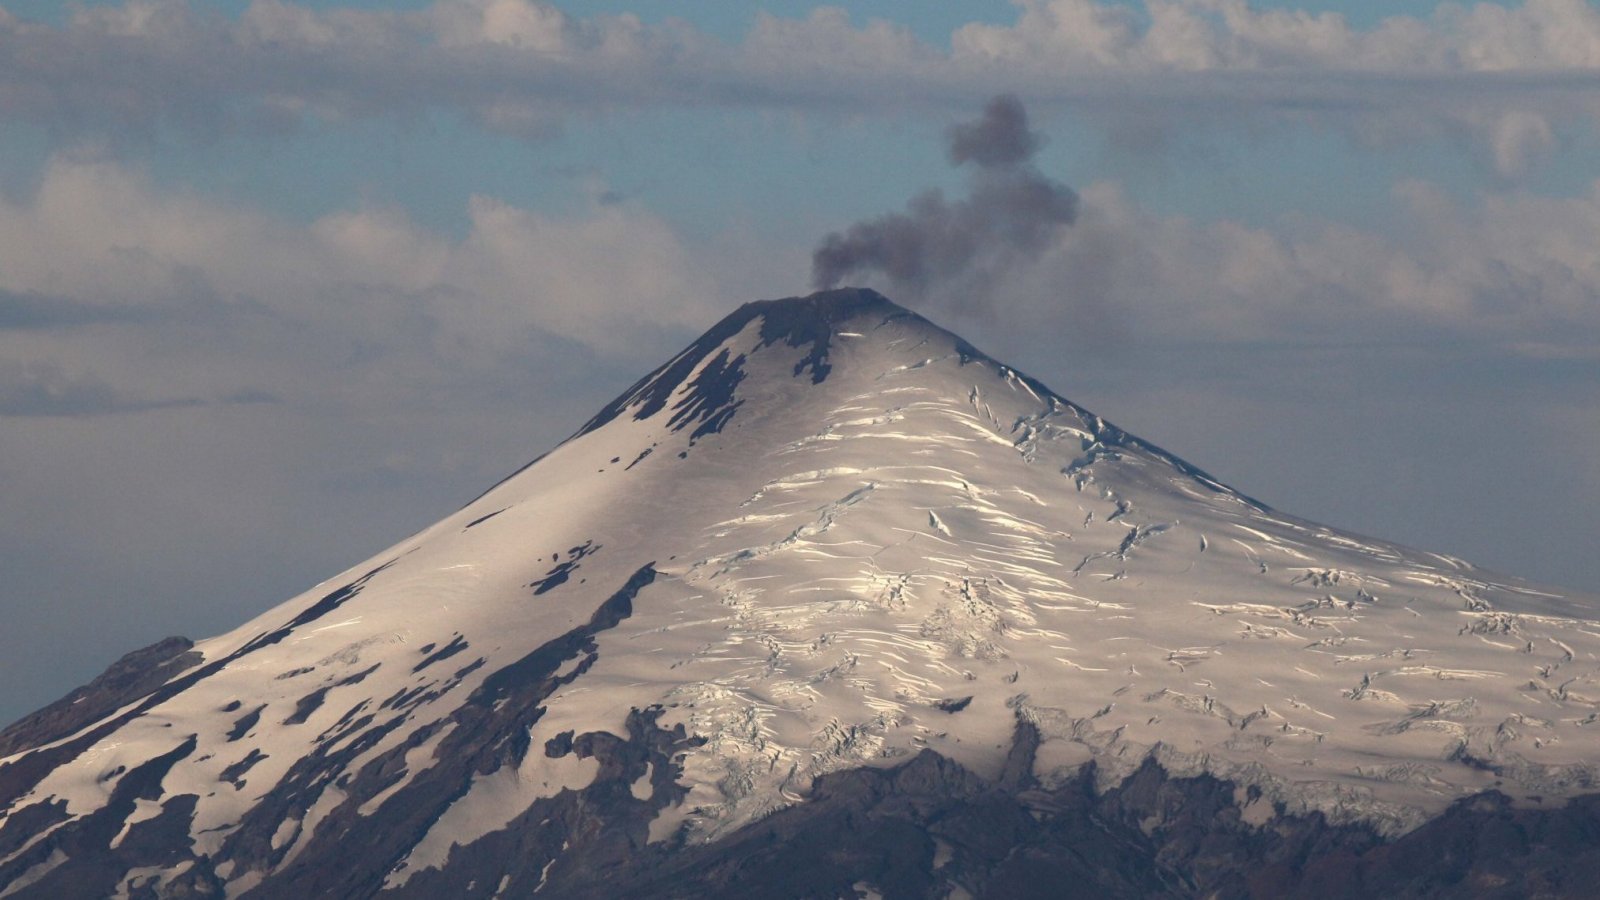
(107, 279)
(1509, 74)
(1010, 214)
(98, 243)
(1506, 75)
(1210, 35)
(1506, 266)
(1506, 269)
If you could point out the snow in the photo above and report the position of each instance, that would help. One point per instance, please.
(844, 556)
(144, 810)
(492, 802)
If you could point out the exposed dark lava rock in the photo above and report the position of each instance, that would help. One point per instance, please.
(930, 827)
(124, 681)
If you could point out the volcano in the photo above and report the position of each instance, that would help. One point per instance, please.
(833, 604)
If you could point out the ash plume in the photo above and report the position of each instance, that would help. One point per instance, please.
(1001, 138)
(1010, 214)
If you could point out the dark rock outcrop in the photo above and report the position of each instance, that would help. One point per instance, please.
(128, 679)
(930, 828)
(927, 828)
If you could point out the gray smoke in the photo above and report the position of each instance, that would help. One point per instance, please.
(1000, 138)
(1009, 215)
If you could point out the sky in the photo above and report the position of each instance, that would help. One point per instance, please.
(282, 283)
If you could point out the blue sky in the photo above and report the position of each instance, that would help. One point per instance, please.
(280, 283)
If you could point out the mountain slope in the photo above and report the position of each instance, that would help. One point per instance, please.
(828, 539)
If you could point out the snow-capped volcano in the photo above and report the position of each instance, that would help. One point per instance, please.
(827, 536)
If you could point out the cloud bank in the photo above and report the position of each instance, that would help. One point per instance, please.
(109, 282)
(1508, 74)
(98, 248)
(1504, 272)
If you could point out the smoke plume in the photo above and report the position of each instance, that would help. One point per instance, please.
(1009, 216)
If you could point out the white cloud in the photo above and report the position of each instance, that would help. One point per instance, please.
(828, 42)
(594, 279)
(99, 231)
(1230, 35)
(1509, 74)
(535, 27)
(1513, 269)
(168, 294)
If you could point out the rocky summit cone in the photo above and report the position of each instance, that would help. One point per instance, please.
(833, 604)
